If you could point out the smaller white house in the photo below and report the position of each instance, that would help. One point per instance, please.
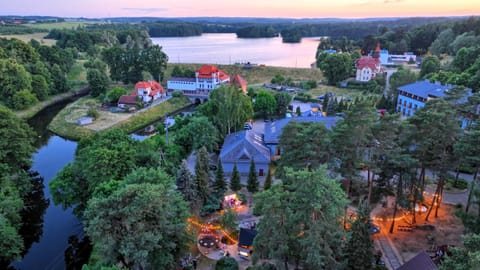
(148, 90)
(367, 68)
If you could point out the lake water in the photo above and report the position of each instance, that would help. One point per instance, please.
(228, 49)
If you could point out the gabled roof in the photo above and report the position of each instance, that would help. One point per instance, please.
(127, 99)
(426, 89)
(153, 85)
(246, 236)
(420, 261)
(273, 130)
(368, 61)
(240, 82)
(205, 72)
(244, 145)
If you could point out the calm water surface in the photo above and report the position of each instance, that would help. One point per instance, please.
(53, 153)
(228, 49)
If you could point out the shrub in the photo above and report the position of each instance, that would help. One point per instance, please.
(226, 263)
(177, 94)
(93, 112)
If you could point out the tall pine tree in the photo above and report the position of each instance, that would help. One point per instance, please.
(268, 181)
(219, 186)
(235, 183)
(185, 183)
(252, 181)
(201, 173)
(359, 249)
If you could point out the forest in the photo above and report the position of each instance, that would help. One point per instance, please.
(145, 174)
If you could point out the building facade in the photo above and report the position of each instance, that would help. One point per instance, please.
(207, 79)
(412, 97)
(240, 148)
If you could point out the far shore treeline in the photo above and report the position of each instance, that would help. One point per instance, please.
(291, 30)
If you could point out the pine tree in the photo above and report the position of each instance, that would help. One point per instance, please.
(235, 183)
(359, 249)
(252, 181)
(201, 173)
(219, 186)
(268, 181)
(298, 111)
(185, 183)
(326, 100)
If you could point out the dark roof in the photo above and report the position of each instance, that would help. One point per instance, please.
(426, 89)
(127, 99)
(244, 144)
(273, 130)
(246, 236)
(182, 79)
(420, 261)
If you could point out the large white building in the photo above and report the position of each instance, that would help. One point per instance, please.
(207, 78)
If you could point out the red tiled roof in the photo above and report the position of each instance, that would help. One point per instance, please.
(127, 99)
(240, 82)
(205, 72)
(153, 85)
(368, 61)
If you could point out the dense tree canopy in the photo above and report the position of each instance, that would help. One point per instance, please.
(301, 221)
(141, 225)
(304, 145)
(335, 67)
(228, 109)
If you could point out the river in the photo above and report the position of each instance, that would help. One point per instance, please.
(228, 49)
(53, 153)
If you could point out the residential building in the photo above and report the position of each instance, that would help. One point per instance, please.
(412, 97)
(127, 101)
(369, 66)
(240, 148)
(148, 91)
(273, 130)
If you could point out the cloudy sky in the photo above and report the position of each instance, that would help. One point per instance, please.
(241, 8)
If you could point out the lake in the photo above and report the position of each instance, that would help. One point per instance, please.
(227, 49)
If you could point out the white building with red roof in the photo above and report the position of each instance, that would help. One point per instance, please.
(148, 90)
(207, 78)
(369, 66)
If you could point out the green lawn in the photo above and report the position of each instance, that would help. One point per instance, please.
(56, 25)
(40, 37)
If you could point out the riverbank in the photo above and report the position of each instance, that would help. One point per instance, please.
(32, 111)
(65, 123)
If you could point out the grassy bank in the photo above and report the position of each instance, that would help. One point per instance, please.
(258, 75)
(64, 124)
(142, 119)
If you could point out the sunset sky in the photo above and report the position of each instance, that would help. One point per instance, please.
(242, 8)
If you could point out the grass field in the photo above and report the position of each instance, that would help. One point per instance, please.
(36, 36)
(58, 25)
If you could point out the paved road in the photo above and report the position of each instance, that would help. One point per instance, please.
(392, 260)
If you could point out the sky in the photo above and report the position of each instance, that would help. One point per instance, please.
(241, 8)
